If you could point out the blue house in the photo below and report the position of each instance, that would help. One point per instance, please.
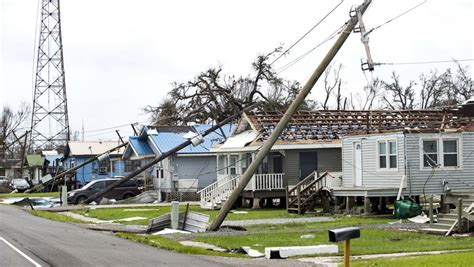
(188, 170)
(77, 152)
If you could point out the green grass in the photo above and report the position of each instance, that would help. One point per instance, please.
(339, 221)
(151, 212)
(47, 194)
(165, 243)
(372, 241)
(450, 259)
(56, 216)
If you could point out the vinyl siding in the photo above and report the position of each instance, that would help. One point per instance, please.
(291, 166)
(458, 179)
(372, 176)
(202, 168)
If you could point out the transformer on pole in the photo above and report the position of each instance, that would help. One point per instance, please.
(49, 123)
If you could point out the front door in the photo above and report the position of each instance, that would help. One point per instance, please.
(357, 166)
(308, 163)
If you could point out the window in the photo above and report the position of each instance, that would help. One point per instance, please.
(131, 165)
(441, 152)
(222, 164)
(430, 153)
(450, 153)
(233, 164)
(387, 151)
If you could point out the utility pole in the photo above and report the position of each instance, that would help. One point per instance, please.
(244, 180)
(170, 152)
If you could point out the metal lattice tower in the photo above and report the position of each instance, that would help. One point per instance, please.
(49, 124)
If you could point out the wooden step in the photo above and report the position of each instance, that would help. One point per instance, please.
(446, 220)
(435, 231)
(445, 226)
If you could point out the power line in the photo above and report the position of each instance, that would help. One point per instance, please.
(308, 32)
(425, 62)
(294, 61)
(396, 17)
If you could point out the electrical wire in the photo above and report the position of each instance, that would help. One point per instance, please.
(394, 18)
(425, 62)
(297, 59)
(308, 32)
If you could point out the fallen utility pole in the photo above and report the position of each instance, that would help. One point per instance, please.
(244, 180)
(165, 155)
(41, 186)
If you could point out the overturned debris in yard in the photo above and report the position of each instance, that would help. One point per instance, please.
(143, 198)
(188, 221)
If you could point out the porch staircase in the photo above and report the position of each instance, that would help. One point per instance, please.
(213, 195)
(307, 192)
(448, 222)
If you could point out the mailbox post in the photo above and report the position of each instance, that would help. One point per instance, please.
(344, 234)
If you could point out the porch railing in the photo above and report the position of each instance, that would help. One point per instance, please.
(266, 181)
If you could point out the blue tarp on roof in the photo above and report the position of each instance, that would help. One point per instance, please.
(140, 147)
(168, 140)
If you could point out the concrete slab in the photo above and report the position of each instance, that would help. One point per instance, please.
(285, 252)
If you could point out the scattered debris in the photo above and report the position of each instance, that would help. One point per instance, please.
(140, 209)
(238, 212)
(422, 218)
(192, 222)
(143, 198)
(202, 245)
(285, 252)
(106, 201)
(130, 219)
(251, 252)
(277, 221)
(116, 227)
(168, 231)
(307, 236)
(35, 202)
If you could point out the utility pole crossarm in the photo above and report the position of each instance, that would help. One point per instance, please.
(244, 180)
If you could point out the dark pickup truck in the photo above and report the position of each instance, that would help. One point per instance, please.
(128, 189)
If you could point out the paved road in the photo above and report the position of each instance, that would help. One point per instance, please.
(27, 240)
(50, 243)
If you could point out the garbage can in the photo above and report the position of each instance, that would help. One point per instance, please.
(406, 209)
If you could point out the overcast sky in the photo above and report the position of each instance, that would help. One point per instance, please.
(121, 56)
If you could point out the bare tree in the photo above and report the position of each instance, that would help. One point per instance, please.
(214, 96)
(11, 122)
(332, 81)
(399, 97)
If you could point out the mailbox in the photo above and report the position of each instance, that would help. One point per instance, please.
(341, 234)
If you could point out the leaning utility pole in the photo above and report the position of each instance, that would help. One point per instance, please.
(49, 122)
(244, 180)
(194, 141)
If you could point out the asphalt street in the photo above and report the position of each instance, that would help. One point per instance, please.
(27, 240)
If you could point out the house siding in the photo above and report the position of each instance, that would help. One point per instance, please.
(202, 168)
(458, 179)
(330, 159)
(372, 177)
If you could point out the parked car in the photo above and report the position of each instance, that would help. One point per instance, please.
(126, 190)
(19, 185)
(4, 180)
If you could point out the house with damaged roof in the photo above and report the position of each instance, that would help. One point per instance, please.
(327, 155)
(187, 170)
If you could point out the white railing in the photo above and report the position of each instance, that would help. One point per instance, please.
(266, 181)
(218, 190)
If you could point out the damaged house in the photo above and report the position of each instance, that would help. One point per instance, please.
(188, 170)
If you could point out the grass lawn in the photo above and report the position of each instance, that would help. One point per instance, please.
(165, 243)
(56, 216)
(372, 241)
(47, 194)
(450, 259)
(151, 212)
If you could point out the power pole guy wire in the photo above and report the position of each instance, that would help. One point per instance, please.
(164, 155)
(285, 119)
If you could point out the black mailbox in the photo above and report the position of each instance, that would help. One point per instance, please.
(341, 234)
